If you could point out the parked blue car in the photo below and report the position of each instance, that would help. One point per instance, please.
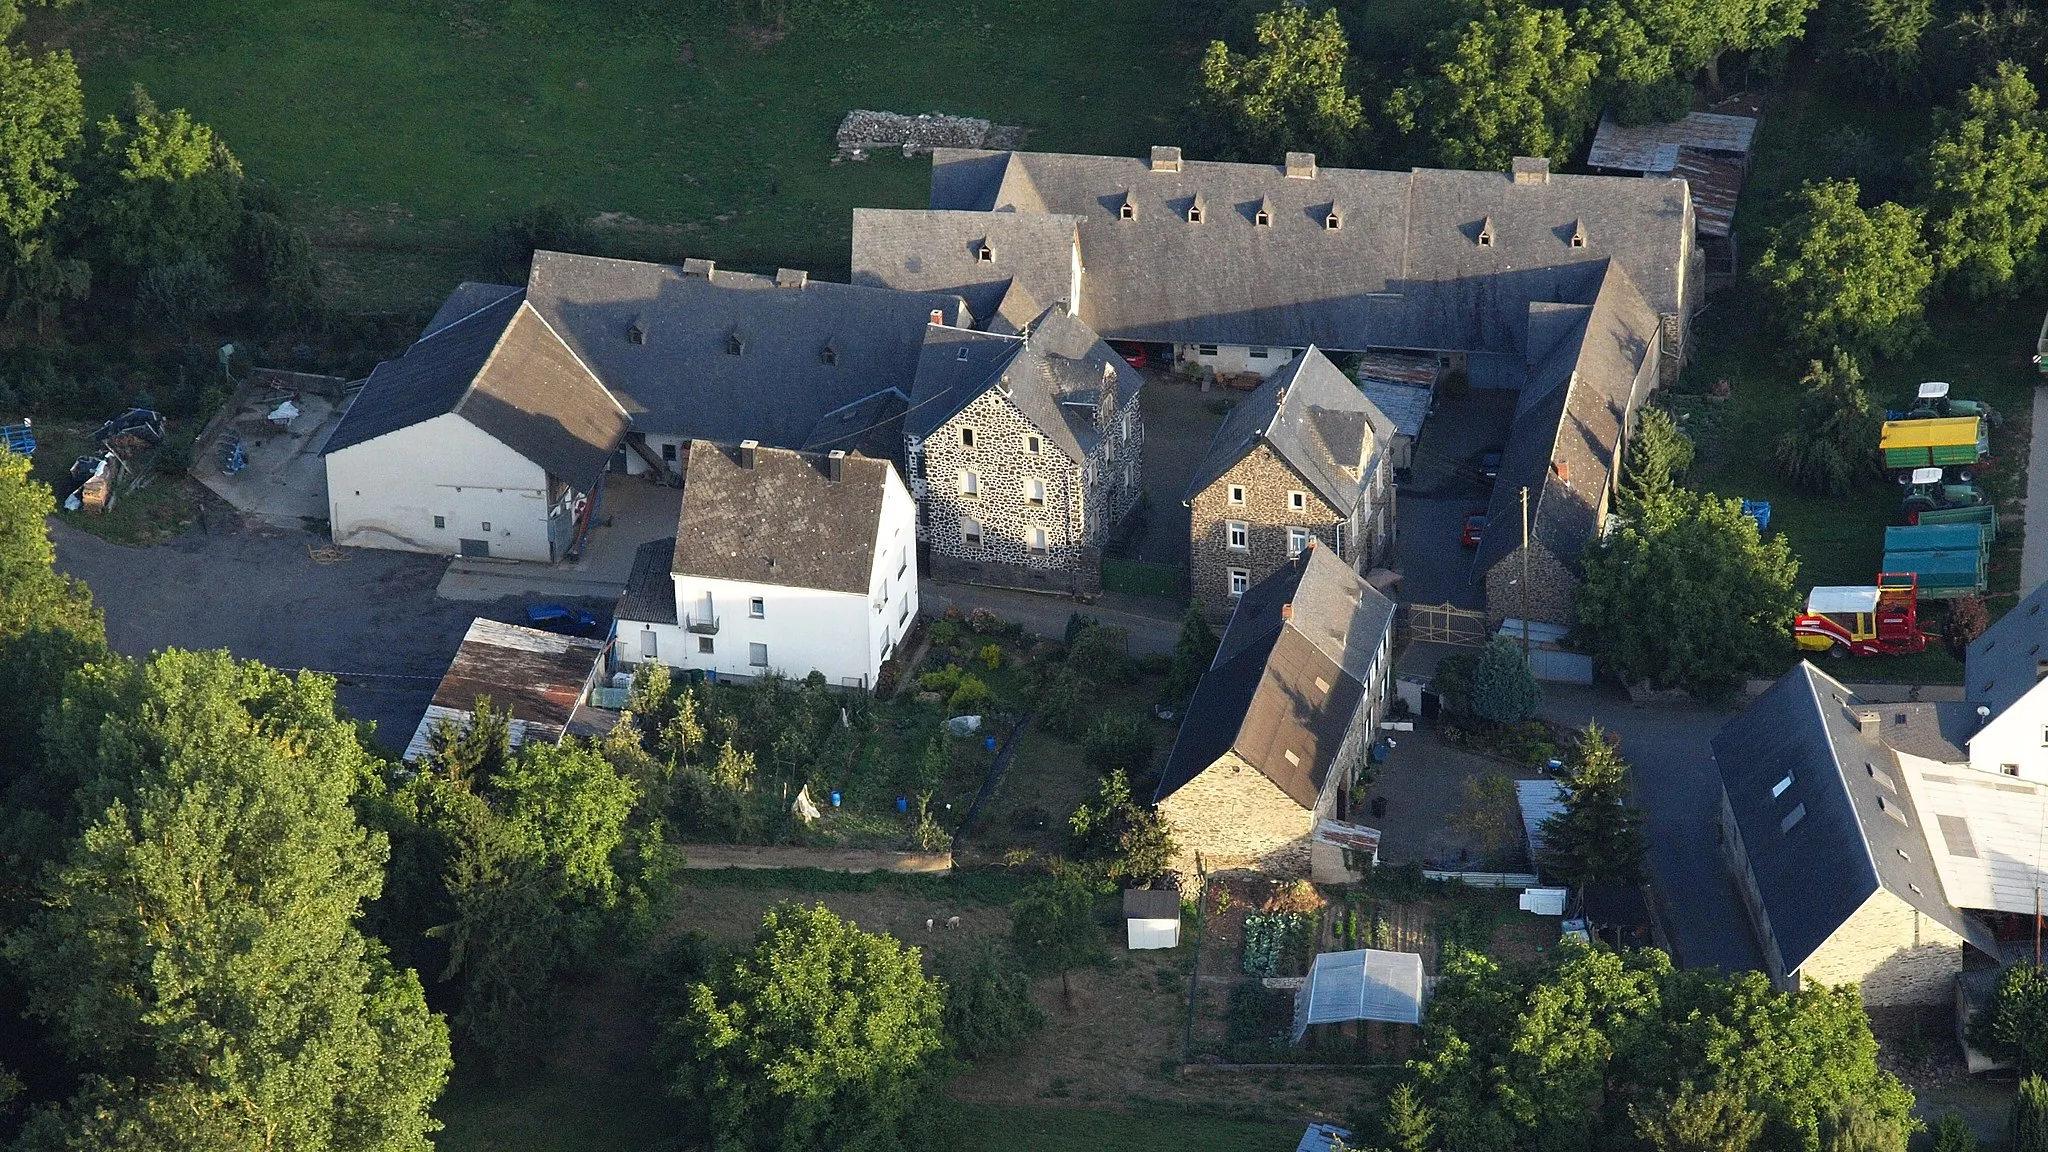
(563, 620)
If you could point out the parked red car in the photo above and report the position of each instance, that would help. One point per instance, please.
(1133, 353)
(1475, 523)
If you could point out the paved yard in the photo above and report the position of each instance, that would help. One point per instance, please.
(1435, 568)
(1180, 420)
(260, 592)
(634, 510)
(1423, 781)
(1446, 459)
(285, 480)
(1676, 785)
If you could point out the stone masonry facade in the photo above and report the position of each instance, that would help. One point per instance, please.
(1268, 515)
(1552, 586)
(1236, 818)
(1895, 954)
(1083, 502)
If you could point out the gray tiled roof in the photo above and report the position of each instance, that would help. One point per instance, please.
(503, 369)
(1260, 696)
(650, 596)
(2005, 662)
(1574, 409)
(1054, 375)
(1313, 416)
(684, 381)
(1812, 876)
(871, 426)
(782, 522)
(469, 296)
(1406, 268)
(942, 252)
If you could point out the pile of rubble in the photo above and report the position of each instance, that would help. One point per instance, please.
(863, 131)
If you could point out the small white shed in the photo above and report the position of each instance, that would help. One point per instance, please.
(1152, 918)
(1365, 984)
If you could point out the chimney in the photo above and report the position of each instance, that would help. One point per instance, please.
(1868, 721)
(835, 465)
(700, 268)
(791, 277)
(1529, 170)
(1287, 611)
(938, 317)
(748, 449)
(1301, 165)
(1165, 159)
(1564, 470)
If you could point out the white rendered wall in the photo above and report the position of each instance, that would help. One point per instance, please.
(1236, 358)
(2017, 736)
(385, 493)
(805, 629)
(892, 582)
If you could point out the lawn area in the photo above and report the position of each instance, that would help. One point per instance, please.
(995, 1128)
(163, 508)
(402, 132)
(1983, 350)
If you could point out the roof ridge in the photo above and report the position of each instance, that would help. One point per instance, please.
(1835, 755)
(571, 349)
(465, 318)
(490, 358)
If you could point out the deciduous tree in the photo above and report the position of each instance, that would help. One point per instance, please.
(1849, 278)
(821, 1036)
(1989, 173)
(42, 118)
(989, 1011)
(1288, 95)
(1509, 82)
(1053, 928)
(1127, 838)
(1687, 596)
(2014, 1026)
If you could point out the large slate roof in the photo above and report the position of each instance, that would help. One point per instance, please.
(505, 370)
(1575, 409)
(942, 252)
(1056, 373)
(1852, 835)
(2005, 662)
(1406, 268)
(683, 380)
(1314, 417)
(781, 522)
(1285, 679)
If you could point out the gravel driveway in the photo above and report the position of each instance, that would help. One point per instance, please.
(260, 593)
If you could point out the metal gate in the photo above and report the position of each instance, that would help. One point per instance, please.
(1447, 624)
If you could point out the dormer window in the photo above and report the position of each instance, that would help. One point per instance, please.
(637, 333)
(1263, 216)
(734, 345)
(829, 354)
(1128, 209)
(1578, 235)
(960, 353)
(1334, 220)
(1195, 210)
(986, 254)
(1486, 233)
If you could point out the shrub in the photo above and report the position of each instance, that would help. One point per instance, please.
(552, 225)
(971, 695)
(944, 633)
(944, 680)
(989, 1012)
(1952, 1133)
(1118, 742)
(1116, 830)
(1101, 652)
(1503, 689)
(1967, 620)
(1077, 624)
(2030, 1116)
(1062, 704)
(181, 296)
(991, 656)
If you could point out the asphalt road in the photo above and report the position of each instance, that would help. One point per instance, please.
(260, 593)
(1679, 791)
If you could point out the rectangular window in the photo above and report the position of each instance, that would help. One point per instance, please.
(970, 484)
(487, 528)
(1297, 542)
(1298, 501)
(649, 646)
(440, 521)
(1032, 445)
(1205, 349)
(757, 655)
(1037, 537)
(1237, 535)
(1034, 491)
(967, 437)
(970, 531)
(757, 608)
(1237, 493)
(903, 617)
(668, 453)
(1240, 579)
(704, 646)
(1259, 352)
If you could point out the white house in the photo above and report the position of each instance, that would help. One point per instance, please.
(782, 562)
(485, 439)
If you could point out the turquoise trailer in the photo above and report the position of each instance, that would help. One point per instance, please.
(1949, 560)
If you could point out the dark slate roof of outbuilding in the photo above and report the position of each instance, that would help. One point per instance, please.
(650, 595)
(1260, 697)
(1575, 408)
(683, 381)
(1812, 876)
(469, 296)
(1314, 417)
(2004, 663)
(1054, 375)
(503, 369)
(1404, 270)
(781, 522)
(871, 426)
(941, 252)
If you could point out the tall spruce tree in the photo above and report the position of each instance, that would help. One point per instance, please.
(1597, 837)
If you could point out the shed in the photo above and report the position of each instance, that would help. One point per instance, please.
(541, 678)
(1151, 918)
(1539, 801)
(1407, 405)
(1363, 984)
(1321, 1137)
(1710, 150)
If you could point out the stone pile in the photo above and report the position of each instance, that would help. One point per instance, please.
(865, 131)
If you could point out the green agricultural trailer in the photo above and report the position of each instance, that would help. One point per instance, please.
(1956, 444)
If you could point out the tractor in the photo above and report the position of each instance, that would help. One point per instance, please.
(1932, 402)
(1863, 620)
(1925, 492)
